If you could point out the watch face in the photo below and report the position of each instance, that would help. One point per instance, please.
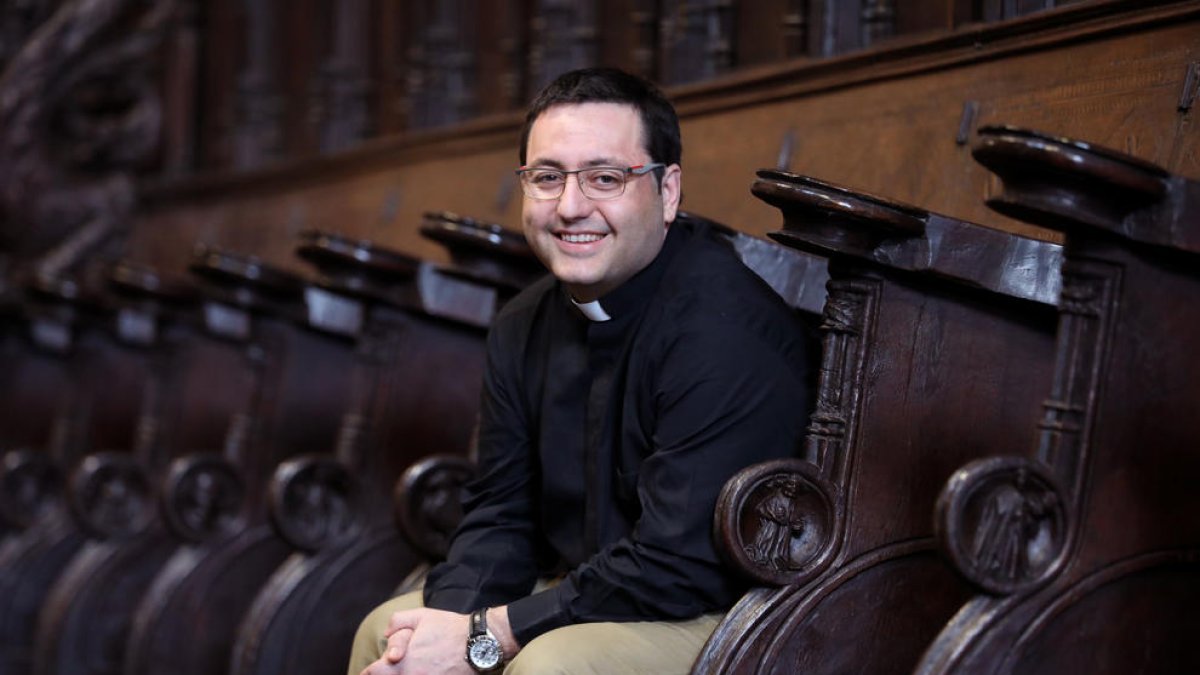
(484, 652)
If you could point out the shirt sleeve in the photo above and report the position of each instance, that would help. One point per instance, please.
(492, 556)
(722, 398)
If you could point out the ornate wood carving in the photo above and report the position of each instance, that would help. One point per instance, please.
(258, 136)
(79, 112)
(344, 79)
(913, 298)
(1131, 248)
(441, 65)
(563, 38)
(696, 40)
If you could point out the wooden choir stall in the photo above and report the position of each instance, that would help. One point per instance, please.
(250, 251)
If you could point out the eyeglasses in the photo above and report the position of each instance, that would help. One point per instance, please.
(598, 182)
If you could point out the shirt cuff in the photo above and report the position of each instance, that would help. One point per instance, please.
(541, 612)
(451, 599)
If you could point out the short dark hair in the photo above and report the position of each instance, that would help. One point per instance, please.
(660, 124)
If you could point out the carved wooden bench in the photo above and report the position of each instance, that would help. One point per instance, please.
(1083, 545)
(83, 621)
(97, 425)
(288, 384)
(938, 339)
(419, 364)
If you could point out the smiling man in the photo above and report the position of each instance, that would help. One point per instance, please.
(621, 392)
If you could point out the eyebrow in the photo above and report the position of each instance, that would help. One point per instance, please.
(555, 164)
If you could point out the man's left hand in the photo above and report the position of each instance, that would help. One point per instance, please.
(424, 641)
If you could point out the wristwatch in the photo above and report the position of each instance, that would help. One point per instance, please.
(483, 649)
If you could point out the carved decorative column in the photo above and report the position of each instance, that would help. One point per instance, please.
(181, 87)
(441, 70)
(258, 137)
(344, 81)
(878, 20)
(563, 39)
(695, 40)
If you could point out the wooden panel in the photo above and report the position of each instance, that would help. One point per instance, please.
(883, 121)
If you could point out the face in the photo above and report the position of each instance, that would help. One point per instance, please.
(595, 246)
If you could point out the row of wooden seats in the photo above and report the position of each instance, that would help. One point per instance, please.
(222, 502)
(997, 476)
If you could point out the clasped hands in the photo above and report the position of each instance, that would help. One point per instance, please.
(432, 641)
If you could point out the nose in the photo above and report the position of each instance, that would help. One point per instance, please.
(572, 204)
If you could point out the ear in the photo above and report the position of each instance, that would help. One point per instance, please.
(672, 192)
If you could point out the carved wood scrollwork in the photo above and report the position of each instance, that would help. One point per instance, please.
(30, 484)
(79, 112)
(428, 503)
(1008, 523)
(1003, 522)
(777, 520)
(313, 501)
(202, 496)
(111, 496)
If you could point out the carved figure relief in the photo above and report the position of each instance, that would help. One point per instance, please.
(779, 525)
(1009, 529)
(1003, 522)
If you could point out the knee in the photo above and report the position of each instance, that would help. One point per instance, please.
(565, 651)
(369, 642)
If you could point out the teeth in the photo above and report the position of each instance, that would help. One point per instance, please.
(581, 238)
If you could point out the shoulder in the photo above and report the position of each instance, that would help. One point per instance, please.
(519, 314)
(707, 282)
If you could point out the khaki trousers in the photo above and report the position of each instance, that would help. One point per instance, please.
(650, 647)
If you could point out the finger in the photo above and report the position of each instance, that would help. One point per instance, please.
(405, 619)
(398, 645)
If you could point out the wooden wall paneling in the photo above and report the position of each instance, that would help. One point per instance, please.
(695, 40)
(628, 36)
(896, 130)
(502, 43)
(181, 86)
(881, 120)
(769, 32)
(563, 37)
(1096, 518)
(442, 77)
(418, 395)
(835, 27)
(259, 123)
(222, 50)
(345, 78)
(387, 32)
(304, 45)
(928, 16)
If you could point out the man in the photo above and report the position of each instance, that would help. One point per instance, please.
(621, 392)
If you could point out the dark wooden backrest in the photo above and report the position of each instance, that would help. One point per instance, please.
(938, 338)
(111, 413)
(1084, 545)
(418, 372)
(289, 384)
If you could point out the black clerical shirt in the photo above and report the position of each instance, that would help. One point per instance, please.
(603, 445)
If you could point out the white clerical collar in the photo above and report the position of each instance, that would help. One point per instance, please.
(592, 310)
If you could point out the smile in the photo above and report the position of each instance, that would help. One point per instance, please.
(582, 238)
